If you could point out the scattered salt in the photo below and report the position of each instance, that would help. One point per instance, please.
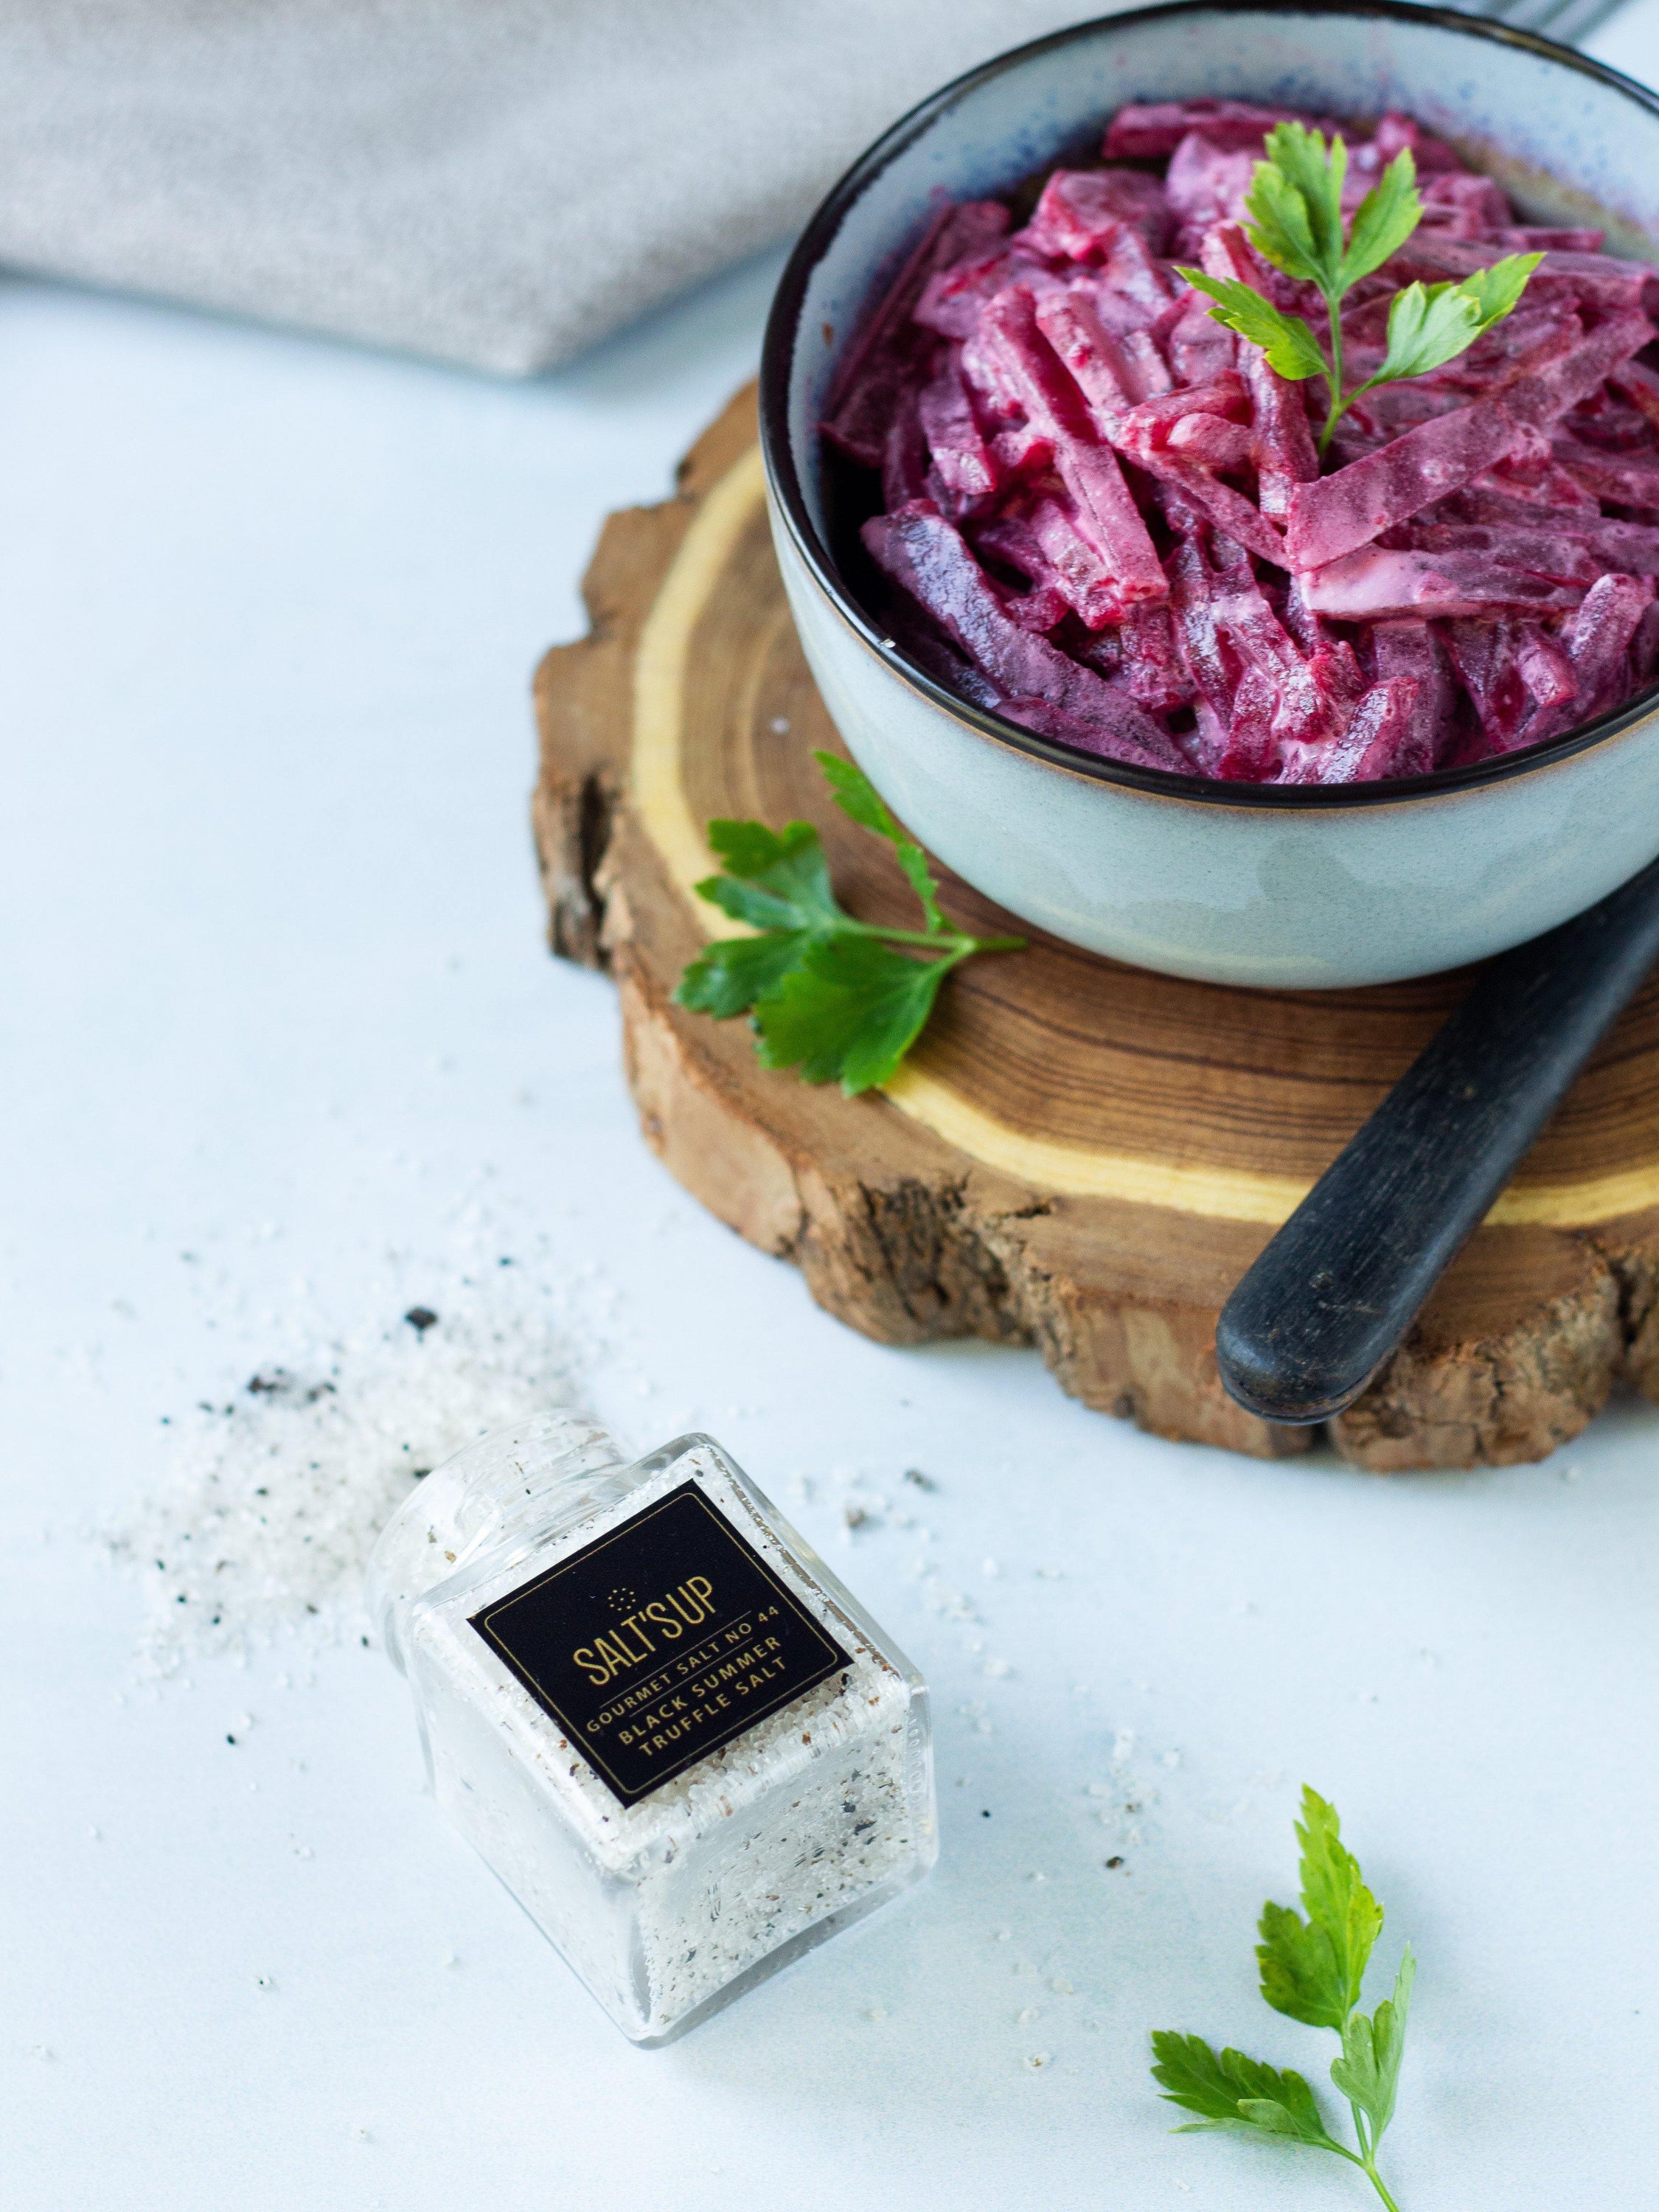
(274, 1496)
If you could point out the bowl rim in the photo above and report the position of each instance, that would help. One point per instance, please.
(777, 360)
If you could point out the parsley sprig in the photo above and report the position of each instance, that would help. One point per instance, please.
(1295, 201)
(1311, 1969)
(831, 996)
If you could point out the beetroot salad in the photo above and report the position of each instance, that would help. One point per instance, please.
(1107, 517)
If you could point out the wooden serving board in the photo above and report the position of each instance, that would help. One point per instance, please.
(1078, 1155)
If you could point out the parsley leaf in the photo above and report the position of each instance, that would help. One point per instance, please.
(1295, 206)
(825, 993)
(1499, 288)
(734, 971)
(1300, 1976)
(1289, 345)
(1312, 1970)
(856, 796)
(1232, 2091)
(1296, 199)
(1335, 1896)
(1383, 220)
(851, 1008)
(772, 879)
(1430, 325)
(1368, 2072)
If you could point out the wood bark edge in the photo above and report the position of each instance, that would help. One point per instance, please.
(924, 1244)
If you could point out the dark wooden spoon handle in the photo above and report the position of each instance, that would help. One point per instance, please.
(1337, 1288)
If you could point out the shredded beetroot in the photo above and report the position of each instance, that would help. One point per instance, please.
(1104, 516)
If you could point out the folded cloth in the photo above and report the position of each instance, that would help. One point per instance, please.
(494, 182)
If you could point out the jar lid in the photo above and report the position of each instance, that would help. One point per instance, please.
(486, 1494)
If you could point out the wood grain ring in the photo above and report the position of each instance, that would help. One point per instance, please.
(1081, 1155)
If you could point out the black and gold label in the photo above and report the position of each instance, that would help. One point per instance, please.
(655, 1645)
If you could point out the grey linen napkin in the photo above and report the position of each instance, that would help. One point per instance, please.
(494, 182)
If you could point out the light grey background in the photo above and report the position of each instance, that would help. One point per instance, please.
(275, 994)
(498, 182)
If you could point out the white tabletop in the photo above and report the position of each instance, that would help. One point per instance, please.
(277, 999)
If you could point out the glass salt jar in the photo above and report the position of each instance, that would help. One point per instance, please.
(681, 1743)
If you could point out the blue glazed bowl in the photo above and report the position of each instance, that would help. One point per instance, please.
(1236, 883)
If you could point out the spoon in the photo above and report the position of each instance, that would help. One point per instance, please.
(1336, 1289)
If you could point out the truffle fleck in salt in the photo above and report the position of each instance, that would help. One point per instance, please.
(676, 1739)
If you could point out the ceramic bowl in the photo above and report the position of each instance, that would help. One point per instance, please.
(1237, 883)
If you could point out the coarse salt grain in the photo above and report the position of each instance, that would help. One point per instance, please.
(274, 1497)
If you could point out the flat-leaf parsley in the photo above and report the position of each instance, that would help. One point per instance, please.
(1295, 202)
(1311, 1969)
(828, 995)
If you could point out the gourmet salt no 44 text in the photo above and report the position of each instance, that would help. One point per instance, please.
(684, 1746)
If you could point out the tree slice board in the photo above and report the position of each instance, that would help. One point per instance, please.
(1078, 1155)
